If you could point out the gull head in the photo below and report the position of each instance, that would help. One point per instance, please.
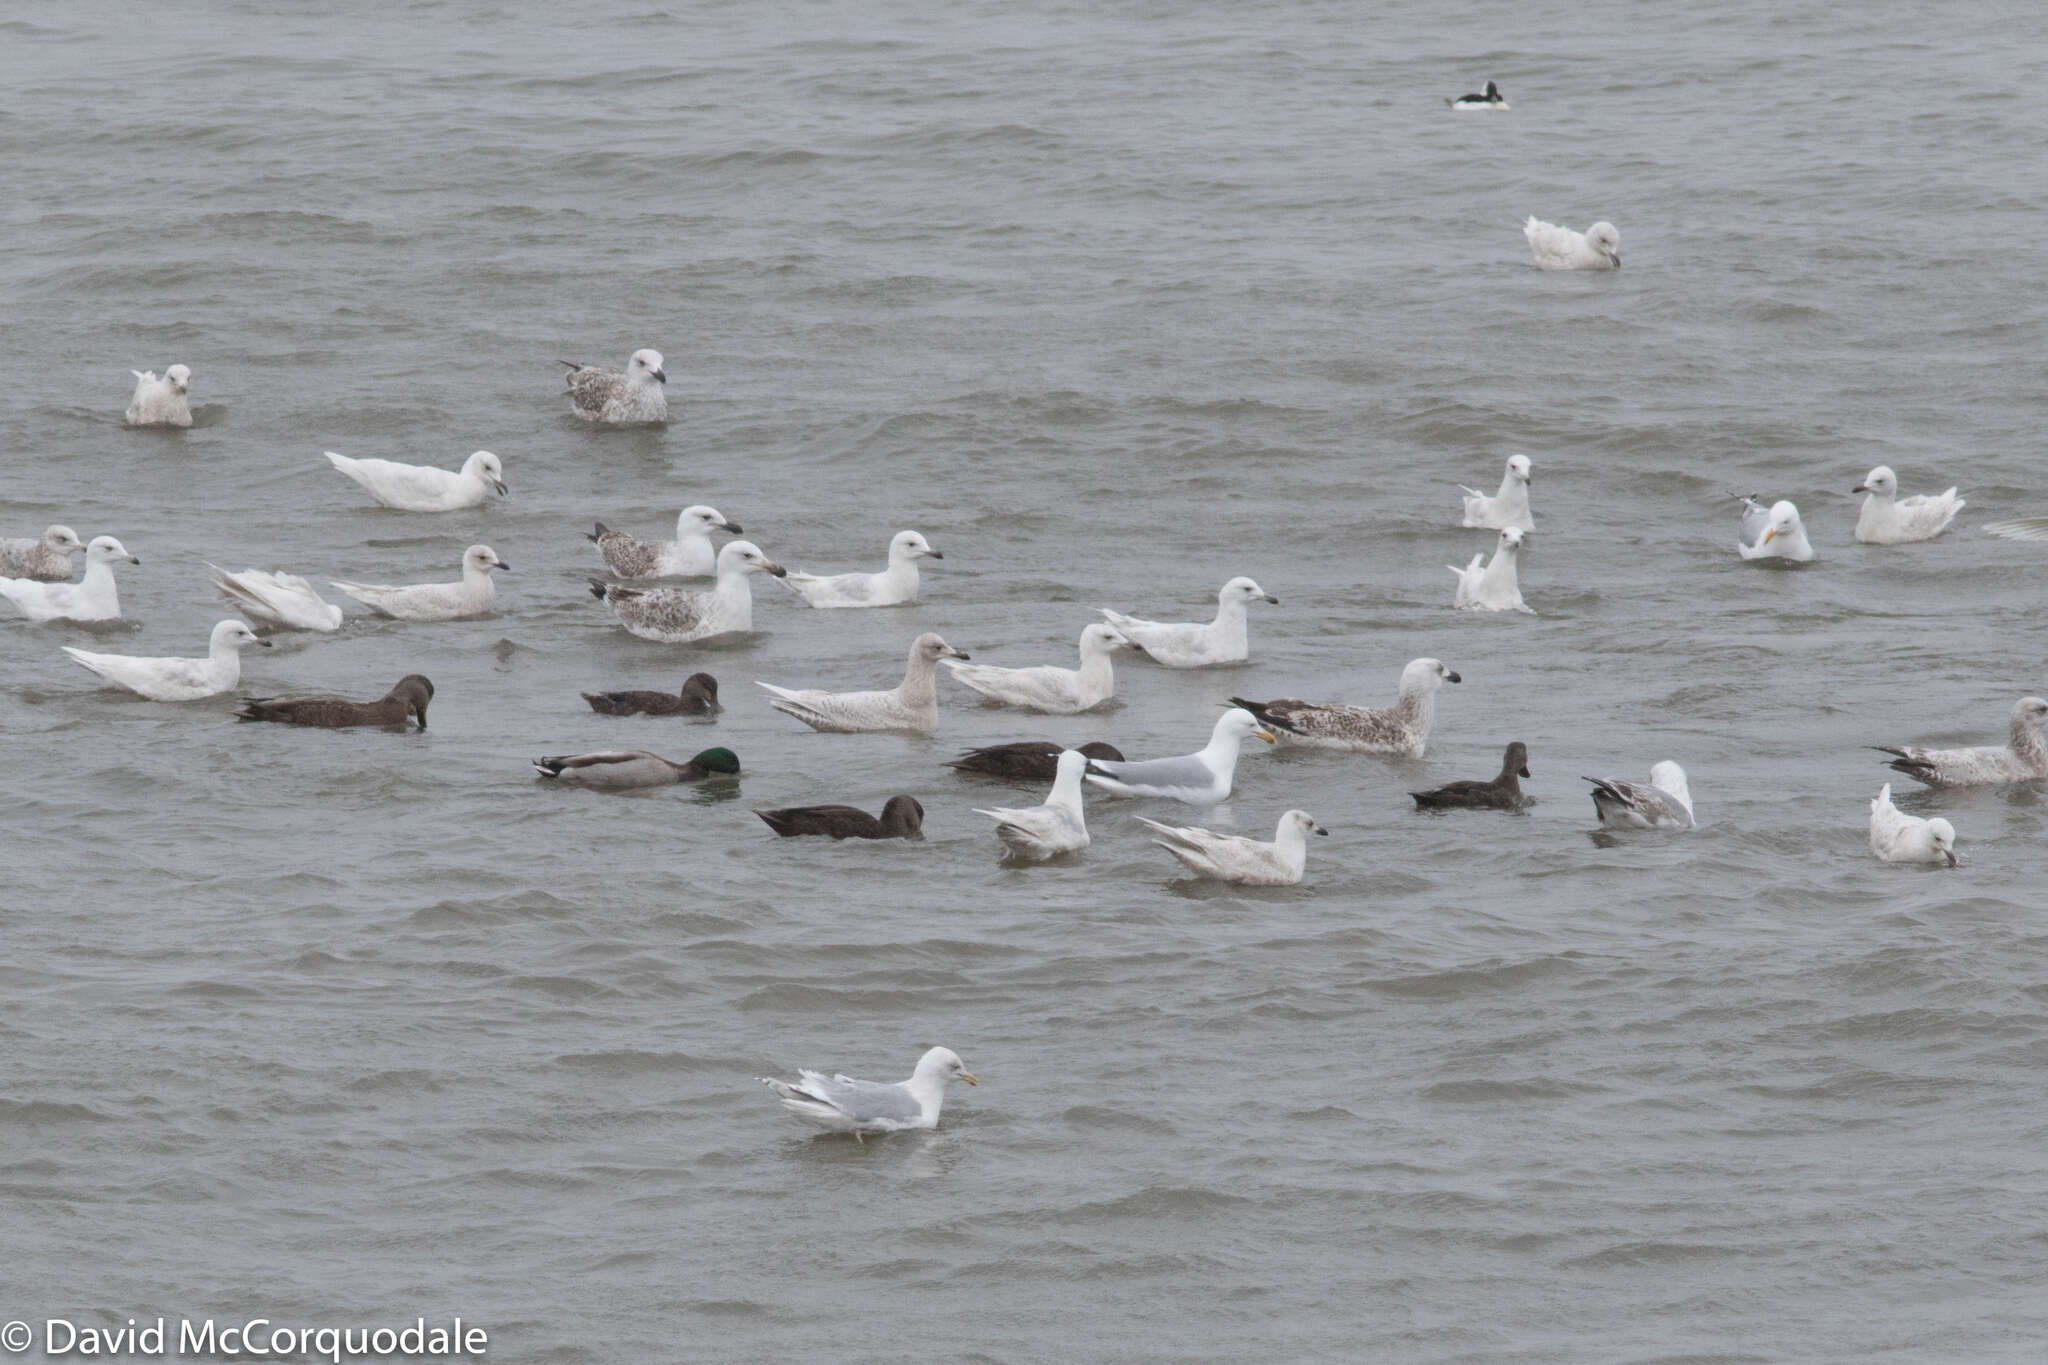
(1511, 541)
(943, 1064)
(1238, 725)
(1303, 821)
(930, 648)
(1880, 481)
(106, 549)
(1101, 639)
(179, 377)
(486, 466)
(908, 545)
(744, 556)
(1069, 767)
(1426, 675)
(1243, 591)
(1518, 467)
(704, 520)
(1784, 522)
(1942, 835)
(2028, 713)
(63, 538)
(234, 635)
(1604, 239)
(481, 559)
(645, 366)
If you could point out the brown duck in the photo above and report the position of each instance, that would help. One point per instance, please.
(1028, 760)
(699, 697)
(408, 698)
(1503, 793)
(902, 818)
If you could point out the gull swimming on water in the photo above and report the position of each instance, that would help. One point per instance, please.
(94, 597)
(47, 558)
(1888, 519)
(841, 1104)
(1563, 248)
(276, 601)
(1057, 691)
(1200, 779)
(1773, 532)
(2023, 758)
(620, 399)
(160, 402)
(678, 615)
(1508, 507)
(911, 705)
(1399, 730)
(892, 587)
(1036, 833)
(1233, 858)
(424, 488)
(1897, 837)
(1492, 585)
(474, 595)
(178, 679)
(1225, 640)
(690, 555)
(1666, 803)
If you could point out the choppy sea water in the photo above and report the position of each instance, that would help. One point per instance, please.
(1112, 303)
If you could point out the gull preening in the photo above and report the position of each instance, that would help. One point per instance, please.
(1399, 731)
(1200, 779)
(1225, 640)
(1897, 837)
(46, 558)
(631, 769)
(911, 705)
(699, 697)
(892, 587)
(178, 679)
(1508, 507)
(425, 488)
(1492, 585)
(476, 594)
(901, 818)
(408, 697)
(276, 601)
(1773, 532)
(1665, 803)
(1504, 792)
(93, 597)
(1056, 691)
(1563, 248)
(2023, 758)
(1888, 519)
(1491, 99)
(1035, 833)
(161, 402)
(617, 399)
(840, 1104)
(677, 615)
(690, 555)
(1233, 858)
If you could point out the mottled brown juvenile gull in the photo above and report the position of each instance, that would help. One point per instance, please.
(1026, 760)
(424, 488)
(690, 555)
(1888, 519)
(699, 697)
(1225, 640)
(1665, 803)
(841, 1104)
(1036, 833)
(93, 597)
(627, 769)
(1502, 793)
(1400, 730)
(408, 697)
(1897, 837)
(276, 601)
(161, 402)
(619, 399)
(47, 558)
(1056, 691)
(894, 586)
(474, 595)
(176, 679)
(1201, 779)
(902, 818)
(912, 705)
(1233, 858)
(2023, 758)
(677, 615)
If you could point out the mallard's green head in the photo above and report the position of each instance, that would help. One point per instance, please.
(717, 761)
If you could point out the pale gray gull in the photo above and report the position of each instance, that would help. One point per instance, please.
(1492, 585)
(424, 488)
(94, 597)
(178, 679)
(841, 1104)
(1888, 519)
(617, 399)
(161, 402)
(1225, 640)
(1665, 803)
(47, 558)
(690, 555)
(894, 586)
(912, 705)
(276, 601)
(1897, 837)
(1773, 532)
(1035, 833)
(1233, 858)
(1398, 731)
(1200, 779)
(475, 594)
(1057, 691)
(1508, 507)
(2023, 758)
(678, 615)
(1563, 248)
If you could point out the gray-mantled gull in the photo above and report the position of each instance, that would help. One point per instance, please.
(911, 705)
(841, 1104)
(1399, 731)
(1888, 519)
(276, 601)
(94, 597)
(894, 586)
(1563, 248)
(690, 555)
(1200, 779)
(1773, 532)
(620, 399)
(1035, 833)
(1057, 691)
(630, 769)
(1492, 585)
(1508, 507)
(178, 679)
(47, 558)
(1225, 640)
(1233, 858)
(161, 402)
(476, 594)
(424, 488)
(1665, 803)
(2023, 758)
(678, 615)
(1898, 837)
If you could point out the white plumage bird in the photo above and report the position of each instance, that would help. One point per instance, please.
(1897, 837)
(474, 594)
(1508, 507)
(1056, 826)
(1495, 584)
(161, 402)
(840, 1104)
(1888, 519)
(1233, 858)
(94, 597)
(424, 488)
(912, 705)
(894, 586)
(1225, 640)
(276, 601)
(174, 679)
(1563, 248)
(1773, 532)
(1202, 778)
(1056, 691)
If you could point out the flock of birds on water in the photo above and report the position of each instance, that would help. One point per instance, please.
(35, 575)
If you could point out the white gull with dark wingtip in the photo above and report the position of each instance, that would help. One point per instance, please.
(1563, 248)
(1665, 803)
(1056, 691)
(1398, 731)
(425, 488)
(894, 586)
(841, 1104)
(615, 399)
(1214, 857)
(912, 705)
(690, 555)
(94, 597)
(474, 594)
(2023, 758)
(176, 679)
(1200, 779)
(678, 615)
(1225, 640)
(1508, 507)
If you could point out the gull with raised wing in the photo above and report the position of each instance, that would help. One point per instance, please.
(475, 594)
(1056, 691)
(1508, 507)
(840, 1104)
(276, 601)
(1200, 779)
(894, 586)
(1398, 731)
(615, 399)
(178, 679)
(1035, 833)
(912, 705)
(1897, 837)
(690, 555)
(1233, 858)
(1665, 803)
(1225, 640)
(161, 402)
(678, 615)
(2023, 758)
(1888, 519)
(425, 488)
(94, 597)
